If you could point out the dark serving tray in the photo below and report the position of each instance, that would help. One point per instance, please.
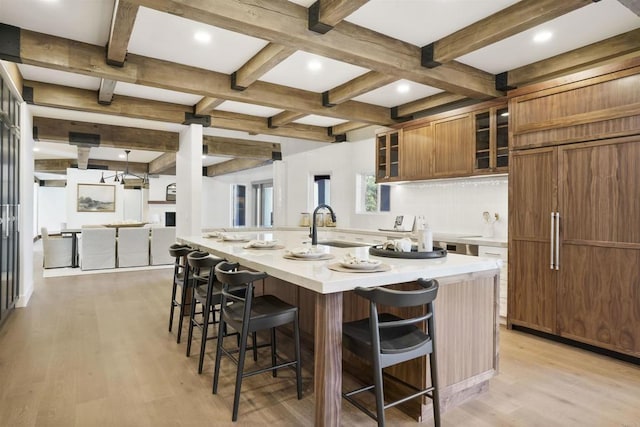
(414, 254)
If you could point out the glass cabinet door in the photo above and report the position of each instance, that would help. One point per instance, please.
(483, 141)
(394, 155)
(381, 154)
(502, 138)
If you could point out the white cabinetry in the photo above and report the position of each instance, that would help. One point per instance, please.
(500, 253)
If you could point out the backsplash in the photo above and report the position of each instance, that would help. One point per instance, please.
(456, 205)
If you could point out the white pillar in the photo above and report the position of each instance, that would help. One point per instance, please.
(280, 194)
(189, 182)
(26, 206)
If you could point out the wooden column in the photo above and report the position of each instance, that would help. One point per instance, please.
(327, 376)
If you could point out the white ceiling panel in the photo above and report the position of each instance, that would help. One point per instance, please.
(58, 150)
(54, 150)
(171, 38)
(397, 93)
(421, 22)
(581, 27)
(64, 78)
(250, 109)
(319, 121)
(156, 94)
(295, 72)
(88, 21)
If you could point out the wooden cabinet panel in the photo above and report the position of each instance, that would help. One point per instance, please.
(599, 297)
(453, 150)
(388, 156)
(416, 153)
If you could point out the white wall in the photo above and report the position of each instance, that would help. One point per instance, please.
(450, 206)
(26, 206)
(52, 208)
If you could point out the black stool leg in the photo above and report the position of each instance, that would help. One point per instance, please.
(239, 372)
(185, 285)
(379, 389)
(296, 332)
(219, 342)
(173, 304)
(274, 372)
(255, 346)
(435, 393)
(192, 319)
(206, 313)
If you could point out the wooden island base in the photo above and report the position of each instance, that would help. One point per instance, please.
(466, 311)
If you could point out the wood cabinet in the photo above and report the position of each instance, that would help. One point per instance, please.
(491, 131)
(453, 147)
(388, 156)
(416, 153)
(577, 274)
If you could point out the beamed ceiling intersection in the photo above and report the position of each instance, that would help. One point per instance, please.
(287, 27)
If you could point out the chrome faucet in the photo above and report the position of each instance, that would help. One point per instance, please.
(314, 228)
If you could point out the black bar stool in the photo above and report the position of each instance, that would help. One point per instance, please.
(248, 315)
(181, 277)
(386, 340)
(207, 292)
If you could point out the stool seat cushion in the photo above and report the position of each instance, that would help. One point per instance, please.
(267, 311)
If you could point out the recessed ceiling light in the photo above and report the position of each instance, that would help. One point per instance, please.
(36, 149)
(314, 65)
(403, 88)
(122, 156)
(202, 37)
(542, 36)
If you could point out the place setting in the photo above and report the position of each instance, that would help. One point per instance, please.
(354, 264)
(308, 254)
(263, 244)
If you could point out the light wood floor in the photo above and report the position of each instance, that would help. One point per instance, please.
(94, 351)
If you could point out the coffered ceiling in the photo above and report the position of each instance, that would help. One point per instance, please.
(296, 73)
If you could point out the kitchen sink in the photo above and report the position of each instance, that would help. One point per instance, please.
(342, 244)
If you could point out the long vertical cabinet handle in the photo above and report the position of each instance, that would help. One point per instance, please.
(553, 217)
(557, 240)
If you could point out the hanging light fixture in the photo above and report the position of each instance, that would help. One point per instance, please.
(120, 177)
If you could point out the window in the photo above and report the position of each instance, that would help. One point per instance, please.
(373, 197)
(263, 197)
(239, 205)
(321, 189)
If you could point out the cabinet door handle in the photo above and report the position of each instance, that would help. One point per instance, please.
(557, 240)
(553, 217)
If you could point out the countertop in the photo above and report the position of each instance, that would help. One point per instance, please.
(315, 275)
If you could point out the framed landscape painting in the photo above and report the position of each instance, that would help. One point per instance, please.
(96, 198)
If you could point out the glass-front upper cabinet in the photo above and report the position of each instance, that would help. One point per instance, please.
(388, 155)
(492, 140)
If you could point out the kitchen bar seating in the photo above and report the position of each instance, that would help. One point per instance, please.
(208, 293)
(248, 315)
(180, 278)
(385, 340)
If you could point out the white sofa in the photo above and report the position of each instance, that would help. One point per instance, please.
(161, 239)
(133, 247)
(56, 250)
(97, 248)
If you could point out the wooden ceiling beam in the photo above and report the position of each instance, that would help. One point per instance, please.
(105, 93)
(206, 105)
(284, 118)
(270, 56)
(507, 22)
(286, 23)
(62, 54)
(241, 148)
(124, 16)
(326, 14)
(61, 165)
(162, 164)
(613, 48)
(361, 84)
(437, 100)
(343, 128)
(235, 165)
(124, 137)
(50, 95)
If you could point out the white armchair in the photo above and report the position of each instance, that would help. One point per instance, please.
(97, 248)
(161, 239)
(56, 250)
(133, 247)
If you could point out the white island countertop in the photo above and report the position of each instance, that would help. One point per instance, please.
(316, 276)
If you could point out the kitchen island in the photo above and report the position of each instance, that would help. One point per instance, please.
(466, 314)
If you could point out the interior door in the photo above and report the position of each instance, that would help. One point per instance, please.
(532, 199)
(599, 268)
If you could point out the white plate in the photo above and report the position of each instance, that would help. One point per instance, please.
(234, 238)
(262, 243)
(306, 253)
(361, 264)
